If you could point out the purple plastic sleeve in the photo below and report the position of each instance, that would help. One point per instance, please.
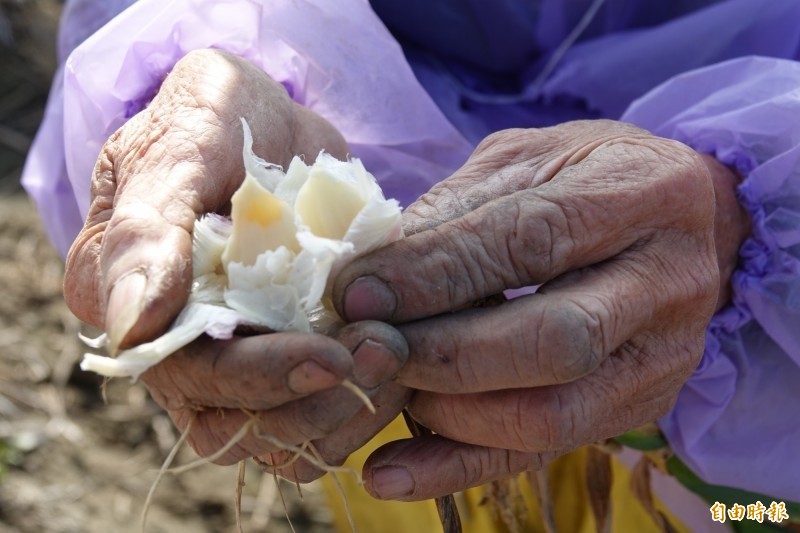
(369, 93)
(735, 421)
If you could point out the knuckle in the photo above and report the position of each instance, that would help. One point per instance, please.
(441, 203)
(702, 288)
(569, 343)
(499, 139)
(483, 464)
(207, 437)
(562, 422)
(317, 419)
(543, 422)
(508, 246)
(104, 182)
(514, 145)
(472, 468)
(538, 243)
(478, 274)
(518, 431)
(465, 264)
(165, 390)
(82, 285)
(680, 176)
(199, 56)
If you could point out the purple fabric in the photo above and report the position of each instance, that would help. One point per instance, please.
(45, 175)
(368, 92)
(733, 421)
(608, 68)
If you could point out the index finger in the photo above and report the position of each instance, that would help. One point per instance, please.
(258, 372)
(588, 213)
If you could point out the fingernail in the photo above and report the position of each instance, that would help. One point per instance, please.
(125, 306)
(369, 298)
(308, 376)
(374, 363)
(392, 482)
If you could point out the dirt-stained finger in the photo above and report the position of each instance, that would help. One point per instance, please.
(588, 213)
(257, 373)
(334, 449)
(429, 467)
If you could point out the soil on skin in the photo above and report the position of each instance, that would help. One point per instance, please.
(68, 461)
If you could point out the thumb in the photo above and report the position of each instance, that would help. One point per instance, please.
(130, 269)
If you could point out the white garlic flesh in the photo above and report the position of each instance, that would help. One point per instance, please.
(268, 266)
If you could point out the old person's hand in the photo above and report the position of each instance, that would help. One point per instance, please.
(619, 228)
(129, 271)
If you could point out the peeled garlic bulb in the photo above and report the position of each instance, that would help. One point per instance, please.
(269, 265)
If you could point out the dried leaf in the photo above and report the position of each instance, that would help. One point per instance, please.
(445, 505)
(598, 483)
(540, 486)
(642, 490)
(239, 490)
(504, 499)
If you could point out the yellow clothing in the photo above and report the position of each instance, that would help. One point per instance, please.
(572, 512)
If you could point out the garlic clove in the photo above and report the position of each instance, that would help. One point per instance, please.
(326, 203)
(296, 176)
(261, 222)
(270, 265)
(209, 237)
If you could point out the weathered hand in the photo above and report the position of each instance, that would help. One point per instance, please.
(270, 379)
(618, 226)
(130, 268)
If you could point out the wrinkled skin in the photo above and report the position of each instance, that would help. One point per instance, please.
(632, 237)
(129, 270)
(618, 226)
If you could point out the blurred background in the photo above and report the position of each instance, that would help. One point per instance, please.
(70, 462)
(28, 30)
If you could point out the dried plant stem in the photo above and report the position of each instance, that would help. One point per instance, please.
(302, 454)
(239, 489)
(598, 483)
(306, 452)
(283, 501)
(339, 489)
(349, 385)
(242, 433)
(540, 485)
(446, 505)
(168, 461)
(504, 499)
(260, 517)
(641, 488)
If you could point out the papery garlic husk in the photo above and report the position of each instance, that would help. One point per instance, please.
(270, 264)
